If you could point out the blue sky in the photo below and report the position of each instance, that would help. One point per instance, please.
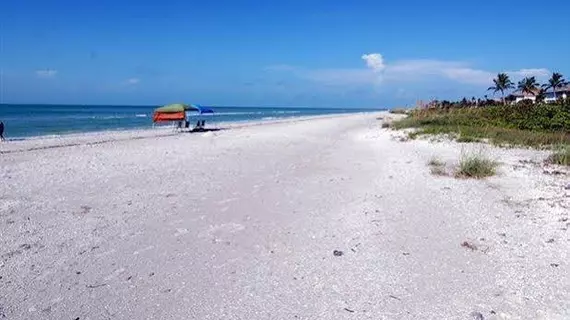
(277, 53)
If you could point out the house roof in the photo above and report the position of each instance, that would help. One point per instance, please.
(519, 93)
(564, 89)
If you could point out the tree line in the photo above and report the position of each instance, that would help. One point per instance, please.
(529, 85)
(503, 84)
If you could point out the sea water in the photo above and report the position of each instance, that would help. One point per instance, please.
(23, 121)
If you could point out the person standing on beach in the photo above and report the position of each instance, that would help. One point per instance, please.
(2, 131)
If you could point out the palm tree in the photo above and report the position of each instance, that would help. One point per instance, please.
(502, 83)
(556, 81)
(528, 85)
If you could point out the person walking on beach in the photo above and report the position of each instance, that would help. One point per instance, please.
(2, 131)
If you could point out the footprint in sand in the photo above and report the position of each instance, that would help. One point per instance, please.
(114, 274)
(137, 252)
(180, 231)
(7, 205)
(222, 229)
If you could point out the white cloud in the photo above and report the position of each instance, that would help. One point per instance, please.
(420, 70)
(374, 61)
(423, 67)
(541, 72)
(417, 70)
(468, 75)
(340, 76)
(46, 73)
(132, 81)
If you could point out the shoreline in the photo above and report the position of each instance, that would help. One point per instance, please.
(104, 136)
(77, 120)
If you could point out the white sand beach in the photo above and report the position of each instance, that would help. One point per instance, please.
(243, 223)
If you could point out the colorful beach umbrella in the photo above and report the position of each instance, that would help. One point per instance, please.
(200, 109)
(174, 108)
(177, 112)
(170, 112)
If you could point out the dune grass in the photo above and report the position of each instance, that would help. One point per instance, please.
(437, 167)
(495, 135)
(467, 139)
(400, 111)
(560, 156)
(476, 166)
(498, 125)
(436, 162)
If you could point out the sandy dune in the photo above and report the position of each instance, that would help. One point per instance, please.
(242, 224)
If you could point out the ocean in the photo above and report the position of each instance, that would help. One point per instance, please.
(24, 121)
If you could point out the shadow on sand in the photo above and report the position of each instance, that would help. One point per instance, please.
(196, 130)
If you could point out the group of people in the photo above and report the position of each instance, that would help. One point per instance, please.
(200, 125)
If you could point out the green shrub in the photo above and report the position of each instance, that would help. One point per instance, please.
(438, 171)
(437, 167)
(399, 111)
(521, 124)
(547, 117)
(413, 135)
(560, 156)
(476, 166)
(436, 162)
